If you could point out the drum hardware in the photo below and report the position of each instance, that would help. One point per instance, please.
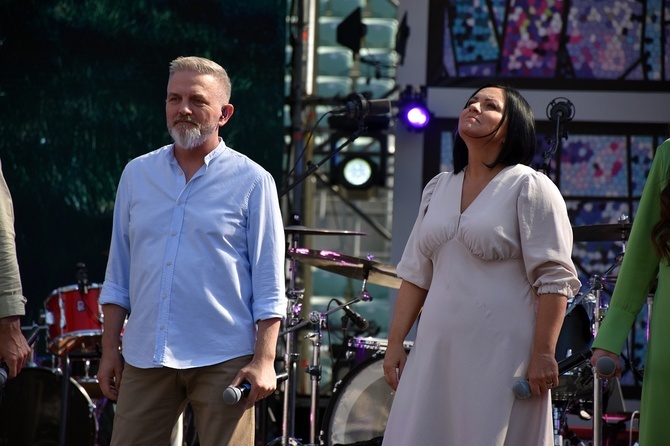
(616, 232)
(31, 414)
(597, 286)
(316, 320)
(352, 267)
(359, 408)
(297, 229)
(293, 323)
(37, 410)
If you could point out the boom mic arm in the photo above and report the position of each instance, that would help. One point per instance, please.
(559, 110)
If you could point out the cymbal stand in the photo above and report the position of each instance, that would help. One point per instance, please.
(294, 296)
(317, 319)
(314, 370)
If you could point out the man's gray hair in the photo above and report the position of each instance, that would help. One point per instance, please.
(203, 66)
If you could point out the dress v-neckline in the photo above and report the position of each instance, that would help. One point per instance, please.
(475, 199)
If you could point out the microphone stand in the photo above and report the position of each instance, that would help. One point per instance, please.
(559, 112)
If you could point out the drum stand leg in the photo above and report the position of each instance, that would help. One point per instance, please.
(65, 400)
(290, 361)
(596, 284)
(314, 372)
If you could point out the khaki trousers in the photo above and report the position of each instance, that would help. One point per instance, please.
(151, 400)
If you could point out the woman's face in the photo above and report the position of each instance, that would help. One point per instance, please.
(482, 115)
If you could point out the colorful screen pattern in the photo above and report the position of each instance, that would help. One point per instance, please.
(581, 39)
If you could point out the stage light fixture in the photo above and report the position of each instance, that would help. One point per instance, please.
(358, 171)
(412, 108)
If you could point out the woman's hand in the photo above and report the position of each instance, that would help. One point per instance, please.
(394, 363)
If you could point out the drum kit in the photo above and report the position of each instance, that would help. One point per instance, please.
(32, 409)
(361, 400)
(364, 269)
(61, 404)
(579, 386)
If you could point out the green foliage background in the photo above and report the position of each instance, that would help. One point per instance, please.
(82, 90)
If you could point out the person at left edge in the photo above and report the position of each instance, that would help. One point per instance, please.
(196, 264)
(14, 348)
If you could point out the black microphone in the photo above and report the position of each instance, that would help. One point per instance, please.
(605, 366)
(560, 111)
(359, 107)
(233, 394)
(356, 318)
(3, 375)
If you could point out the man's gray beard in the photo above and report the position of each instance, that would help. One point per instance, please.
(191, 137)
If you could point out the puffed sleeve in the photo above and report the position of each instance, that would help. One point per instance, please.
(414, 266)
(546, 237)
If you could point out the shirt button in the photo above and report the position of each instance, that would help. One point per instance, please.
(169, 263)
(162, 327)
(174, 233)
(164, 296)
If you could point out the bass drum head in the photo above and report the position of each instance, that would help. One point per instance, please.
(31, 407)
(360, 406)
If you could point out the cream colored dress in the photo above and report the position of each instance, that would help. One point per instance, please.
(484, 269)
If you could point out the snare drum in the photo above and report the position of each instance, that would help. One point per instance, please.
(74, 319)
(31, 410)
(361, 349)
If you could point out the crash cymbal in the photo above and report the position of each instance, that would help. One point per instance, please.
(315, 231)
(615, 232)
(352, 267)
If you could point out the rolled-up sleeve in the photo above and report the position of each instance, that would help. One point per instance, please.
(115, 288)
(265, 235)
(12, 301)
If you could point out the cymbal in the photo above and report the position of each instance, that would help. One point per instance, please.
(315, 231)
(615, 232)
(352, 267)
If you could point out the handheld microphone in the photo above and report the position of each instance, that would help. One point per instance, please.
(233, 394)
(3, 375)
(356, 318)
(605, 367)
(360, 107)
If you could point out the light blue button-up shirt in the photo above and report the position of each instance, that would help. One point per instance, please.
(197, 263)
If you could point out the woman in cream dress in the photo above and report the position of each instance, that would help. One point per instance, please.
(488, 268)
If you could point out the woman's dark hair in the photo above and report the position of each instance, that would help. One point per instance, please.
(520, 142)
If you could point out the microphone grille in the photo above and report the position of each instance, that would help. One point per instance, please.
(606, 366)
(232, 395)
(521, 389)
